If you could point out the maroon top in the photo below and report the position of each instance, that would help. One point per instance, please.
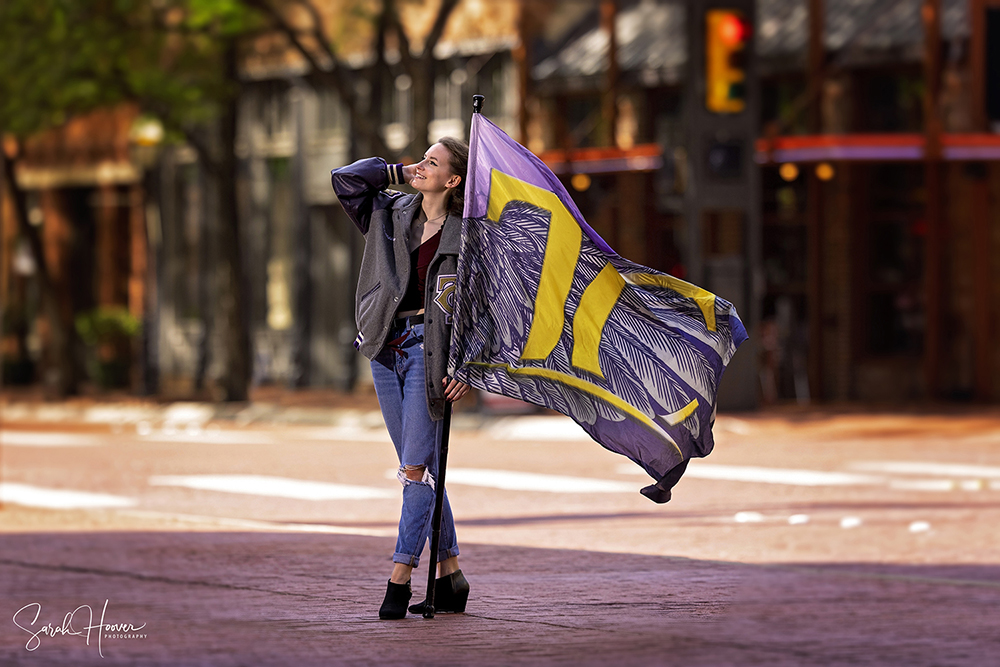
(420, 259)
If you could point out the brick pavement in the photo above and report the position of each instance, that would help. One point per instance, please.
(212, 596)
(261, 598)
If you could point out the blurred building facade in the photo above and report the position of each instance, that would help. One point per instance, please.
(868, 276)
(84, 196)
(872, 277)
(879, 202)
(301, 252)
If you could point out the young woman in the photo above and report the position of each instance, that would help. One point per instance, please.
(404, 316)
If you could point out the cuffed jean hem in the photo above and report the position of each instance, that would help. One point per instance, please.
(414, 561)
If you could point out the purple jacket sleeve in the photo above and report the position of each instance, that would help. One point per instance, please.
(361, 188)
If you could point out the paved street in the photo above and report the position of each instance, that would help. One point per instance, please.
(263, 538)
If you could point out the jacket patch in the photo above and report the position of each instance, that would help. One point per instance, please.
(445, 296)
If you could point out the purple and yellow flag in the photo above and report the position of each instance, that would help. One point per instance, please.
(546, 312)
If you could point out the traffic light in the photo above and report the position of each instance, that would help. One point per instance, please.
(727, 40)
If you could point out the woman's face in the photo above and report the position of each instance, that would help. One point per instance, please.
(434, 172)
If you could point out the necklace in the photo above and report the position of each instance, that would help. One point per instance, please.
(419, 233)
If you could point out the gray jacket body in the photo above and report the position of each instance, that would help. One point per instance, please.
(384, 217)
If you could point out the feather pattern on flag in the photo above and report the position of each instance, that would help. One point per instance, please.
(639, 355)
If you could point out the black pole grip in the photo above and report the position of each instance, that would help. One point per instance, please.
(477, 103)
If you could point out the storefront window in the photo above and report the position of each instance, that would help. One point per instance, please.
(784, 326)
(894, 237)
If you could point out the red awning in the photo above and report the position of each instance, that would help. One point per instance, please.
(874, 147)
(644, 157)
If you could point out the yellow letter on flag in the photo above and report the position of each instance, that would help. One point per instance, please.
(562, 249)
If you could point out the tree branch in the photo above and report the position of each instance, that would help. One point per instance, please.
(335, 73)
(317, 30)
(162, 112)
(390, 19)
(332, 69)
(444, 13)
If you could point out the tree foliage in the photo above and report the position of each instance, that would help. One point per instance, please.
(177, 60)
(64, 57)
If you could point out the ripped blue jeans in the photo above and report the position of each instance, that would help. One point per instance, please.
(398, 372)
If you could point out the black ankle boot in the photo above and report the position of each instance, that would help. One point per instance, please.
(394, 604)
(450, 595)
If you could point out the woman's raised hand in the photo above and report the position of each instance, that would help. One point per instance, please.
(409, 171)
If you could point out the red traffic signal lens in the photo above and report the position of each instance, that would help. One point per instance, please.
(733, 30)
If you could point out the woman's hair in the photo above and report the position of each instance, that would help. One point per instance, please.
(459, 163)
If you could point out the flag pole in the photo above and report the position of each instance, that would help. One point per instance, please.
(477, 107)
(438, 510)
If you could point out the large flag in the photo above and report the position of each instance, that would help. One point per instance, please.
(546, 312)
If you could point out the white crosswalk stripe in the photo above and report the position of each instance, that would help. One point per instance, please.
(62, 499)
(510, 480)
(279, 487)
(244, 437)
(50, 439)
(537, 428)
(788, 476)
(928, 468)
(974, 476)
